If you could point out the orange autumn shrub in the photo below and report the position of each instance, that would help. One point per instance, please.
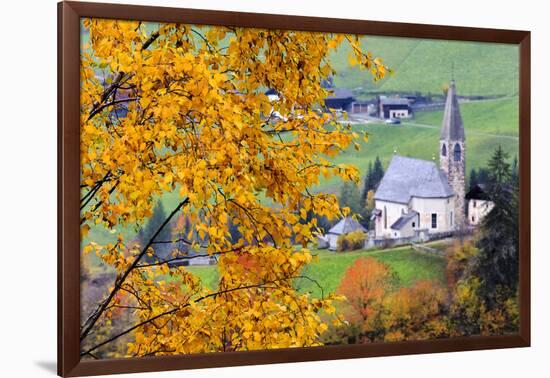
(365, 284)
(458, 257)
(414, 313)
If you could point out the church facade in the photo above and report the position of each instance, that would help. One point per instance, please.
(417, 197)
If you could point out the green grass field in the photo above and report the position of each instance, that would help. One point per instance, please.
(499, 117)
(407, 264)
(487, 125)
(425, 65)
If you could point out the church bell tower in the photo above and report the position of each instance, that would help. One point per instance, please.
(452, 153)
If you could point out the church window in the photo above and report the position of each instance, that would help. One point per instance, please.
(414, 224)
(385, 217)
(457, 152)
(451, 219)
(475, 204)
(434, 220)
(444, 150)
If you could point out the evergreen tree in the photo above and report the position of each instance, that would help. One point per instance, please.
(473, 179)
(154, 223)
(377, 174)
(350, 197)
(366, 183)
(483, 176)
(498, 261)
(374, 175)
(515, 170)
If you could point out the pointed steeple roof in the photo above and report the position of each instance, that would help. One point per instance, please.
(452, 128)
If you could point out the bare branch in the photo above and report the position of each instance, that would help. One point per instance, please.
(120, 280)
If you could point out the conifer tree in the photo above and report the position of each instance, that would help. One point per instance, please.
(498, 261)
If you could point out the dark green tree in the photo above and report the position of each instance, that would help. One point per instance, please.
(473, 179)
(162, 247)
(515, 170)
(350, 197)
(366, 183)
(498, 261)
(377, 174)
(374, 175)
(483, 175)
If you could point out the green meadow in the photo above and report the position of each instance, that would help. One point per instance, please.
(423, 65)
(407, 265)
(487, 123)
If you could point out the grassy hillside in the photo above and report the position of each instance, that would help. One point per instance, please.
(487, 124)
(407, 264)
(425, 65)
(499, 117)
(422, 65)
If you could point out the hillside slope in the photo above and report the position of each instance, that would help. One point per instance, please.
(487, 125)
(426, 65)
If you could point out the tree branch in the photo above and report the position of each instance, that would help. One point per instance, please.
(174, 310)
(92, 320)
(99, 108)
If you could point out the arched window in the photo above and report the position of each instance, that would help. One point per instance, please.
(385, 217)
(444, 150)
(457, 152)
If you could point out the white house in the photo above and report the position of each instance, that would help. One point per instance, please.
(479, 204)
(345, 226)
(416, 197)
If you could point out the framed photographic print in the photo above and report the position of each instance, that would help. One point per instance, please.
(239, 188)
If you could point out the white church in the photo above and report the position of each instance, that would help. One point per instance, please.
(418, 198)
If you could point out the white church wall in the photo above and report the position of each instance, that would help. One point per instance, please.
(393, 212)
(442, 207)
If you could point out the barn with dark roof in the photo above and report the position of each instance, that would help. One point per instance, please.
(341, 99)
(394, 107)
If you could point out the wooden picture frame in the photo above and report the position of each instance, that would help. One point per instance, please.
(69, 14)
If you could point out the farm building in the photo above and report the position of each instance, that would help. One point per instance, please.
(394, 107)
(340, 99)
(479, 204)
(416, 197)
(344, 227)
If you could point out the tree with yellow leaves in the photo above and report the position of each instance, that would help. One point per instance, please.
(181, 108)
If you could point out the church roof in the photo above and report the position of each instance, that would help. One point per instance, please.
(452, 127)
(345, 226)
(407, 177)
